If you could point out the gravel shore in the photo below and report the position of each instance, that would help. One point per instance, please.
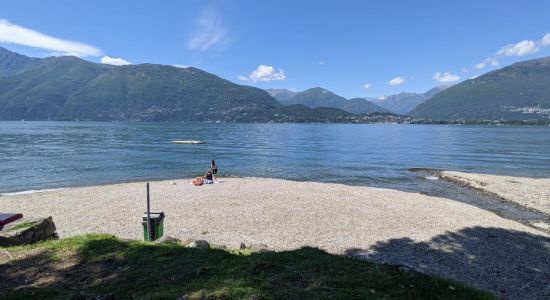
(434, 235)
(533, 193)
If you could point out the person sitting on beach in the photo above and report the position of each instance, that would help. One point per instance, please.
(208, 177)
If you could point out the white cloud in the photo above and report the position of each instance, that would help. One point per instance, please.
(209, 32)
(446, 77)
(264, 73)
(243, 78)
(321, 62)
(15, 34)
(396, 81)
(519, 49)
(366, 86)
(488, 61)
(464, 70)
(475, 76)
(180, 66)
(114, 61)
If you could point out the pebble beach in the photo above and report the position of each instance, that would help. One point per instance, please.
(533, 193)
(378, 224)
(283, 214)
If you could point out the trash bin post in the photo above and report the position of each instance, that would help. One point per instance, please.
(148, 215)
(153, 222)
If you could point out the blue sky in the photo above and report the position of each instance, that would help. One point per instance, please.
(354, 48)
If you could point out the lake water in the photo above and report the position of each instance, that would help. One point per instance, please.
(40, 155)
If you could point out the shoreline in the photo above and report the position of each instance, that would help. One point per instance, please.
(486, 199)
(528, 192)
(534, 213)
(430, 234)
(92, 192)
(76, 186)
(420, 121)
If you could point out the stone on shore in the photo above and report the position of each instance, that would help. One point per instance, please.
(27, 231)
(168, 240)
(260, 248)
(200, 244)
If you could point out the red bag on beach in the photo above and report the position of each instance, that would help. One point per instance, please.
(198, 181)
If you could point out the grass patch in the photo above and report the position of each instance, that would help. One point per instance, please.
(101, 264)
(23, 225)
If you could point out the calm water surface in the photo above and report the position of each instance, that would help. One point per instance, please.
(39, 155)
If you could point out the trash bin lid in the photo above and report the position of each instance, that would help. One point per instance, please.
(154, 216)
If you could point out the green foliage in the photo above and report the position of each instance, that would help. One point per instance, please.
(68, 88)
(496, 95)
(12, 63)
(100, 264)
(362, 106)
(317, 97)
(22, 225)
(302, 114)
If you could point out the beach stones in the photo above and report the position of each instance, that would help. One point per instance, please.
(200, 244)
(168, 240)
(259, 248)
(27, 231)
(5, 256)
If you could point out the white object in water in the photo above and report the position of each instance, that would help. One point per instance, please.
(431, 177)
(187, 142)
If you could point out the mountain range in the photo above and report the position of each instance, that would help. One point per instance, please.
(69, 88)
(403, 103)
(520, 91)
(320, 97)
(400, 104)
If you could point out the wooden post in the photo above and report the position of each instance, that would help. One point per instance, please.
(148, 215)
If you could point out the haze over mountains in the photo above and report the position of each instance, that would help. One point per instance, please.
(69, 88)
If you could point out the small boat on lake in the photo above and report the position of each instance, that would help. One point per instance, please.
(187, 142)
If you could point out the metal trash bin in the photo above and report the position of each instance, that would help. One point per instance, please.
(157, 226)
